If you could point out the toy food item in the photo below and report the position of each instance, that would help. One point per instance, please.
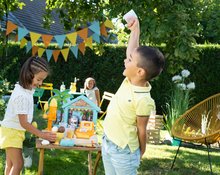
(54, 129)
(86, 130)
(34, 124)
(61, 129)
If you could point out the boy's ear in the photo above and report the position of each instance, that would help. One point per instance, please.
(141, 72)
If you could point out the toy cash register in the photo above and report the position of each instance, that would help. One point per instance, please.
(86, 130)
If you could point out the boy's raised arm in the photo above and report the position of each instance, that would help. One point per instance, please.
(133, 42)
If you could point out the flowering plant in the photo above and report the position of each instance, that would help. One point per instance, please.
(179, 100)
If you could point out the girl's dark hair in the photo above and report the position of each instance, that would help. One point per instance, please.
(32, 66)
(151, 60)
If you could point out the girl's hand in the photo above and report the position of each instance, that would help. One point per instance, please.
(51, 136)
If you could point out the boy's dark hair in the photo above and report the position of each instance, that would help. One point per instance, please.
(151, 60)
(32, 66)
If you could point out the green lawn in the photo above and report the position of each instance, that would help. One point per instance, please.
(157, 160)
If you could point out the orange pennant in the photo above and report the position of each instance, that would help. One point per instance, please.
(46, 39)
(16, 37)
(83, 33)
(10, 27)
(34, 50)
(103, 30)
(82, 47)
(56, 54)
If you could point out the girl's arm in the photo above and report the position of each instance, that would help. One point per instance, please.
(30, 128)
(142, 134)
(97, 94)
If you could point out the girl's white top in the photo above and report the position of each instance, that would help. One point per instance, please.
(90, 93)
(20, 102)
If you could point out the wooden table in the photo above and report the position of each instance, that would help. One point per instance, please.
(91, 169)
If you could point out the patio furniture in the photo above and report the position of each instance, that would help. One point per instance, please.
(106, 98)
(91, 169)
(200, 124)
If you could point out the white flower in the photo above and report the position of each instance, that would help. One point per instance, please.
(181, 86)
(191, 86)
(176, 78)
(185, 73)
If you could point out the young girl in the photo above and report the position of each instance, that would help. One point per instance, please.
(92, 92)
(19, 114)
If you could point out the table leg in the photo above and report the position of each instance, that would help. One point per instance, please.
(98, 157)
(90, 162)
(41, 162)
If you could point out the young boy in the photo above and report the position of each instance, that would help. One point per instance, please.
(124, 140)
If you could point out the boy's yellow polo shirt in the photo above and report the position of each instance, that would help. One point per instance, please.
(120, 124)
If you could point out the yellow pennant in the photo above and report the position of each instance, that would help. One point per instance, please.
(23, 42)
(65, 53)
(72, 38)
(34, 37)
(109, 24)
(40, 52)
(88, 42)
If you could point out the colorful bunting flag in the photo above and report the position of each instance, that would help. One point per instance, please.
(49, 54)
(79, 40)
(65, 53)
(72, 38)
(46, 39)
(23, 42)
(40, 51)
(83, 33)
(55, 55)
(82, 47)
(34, 37)
(10, 27)
(60, 40)
(74, 49)
(22, 32)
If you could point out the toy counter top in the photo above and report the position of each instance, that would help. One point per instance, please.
(96, 146)
(92, 167)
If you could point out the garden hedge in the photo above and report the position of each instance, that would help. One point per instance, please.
(107, 70)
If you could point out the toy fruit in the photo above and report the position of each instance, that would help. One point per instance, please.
(34, 124)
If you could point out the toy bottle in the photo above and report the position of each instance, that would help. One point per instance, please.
(62, 87)
(73, 87)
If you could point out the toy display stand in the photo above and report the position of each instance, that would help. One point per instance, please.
(92, 148)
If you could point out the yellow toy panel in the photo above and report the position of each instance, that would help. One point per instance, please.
(86, 130)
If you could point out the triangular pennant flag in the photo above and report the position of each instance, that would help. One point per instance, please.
(49, 54)
(83, 33)
(65, 53)
(23, 42)
(103, 30)
(40, 51)
(28, 47)
(109, 24)
(96, 37)
(56, 54)
(72, 37)
(34, 50)
(46, 39)
(10, 27)
(60, 40)
(74, 49)
(82, 47)
(22, 32)
(95, 27)
(34, 37)
(16, 37)
(88, 42)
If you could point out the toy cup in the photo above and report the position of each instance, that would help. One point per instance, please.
(58, 138)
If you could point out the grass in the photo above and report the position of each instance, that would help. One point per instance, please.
(157, 160)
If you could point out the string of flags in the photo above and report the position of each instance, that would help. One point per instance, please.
(73, 42)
